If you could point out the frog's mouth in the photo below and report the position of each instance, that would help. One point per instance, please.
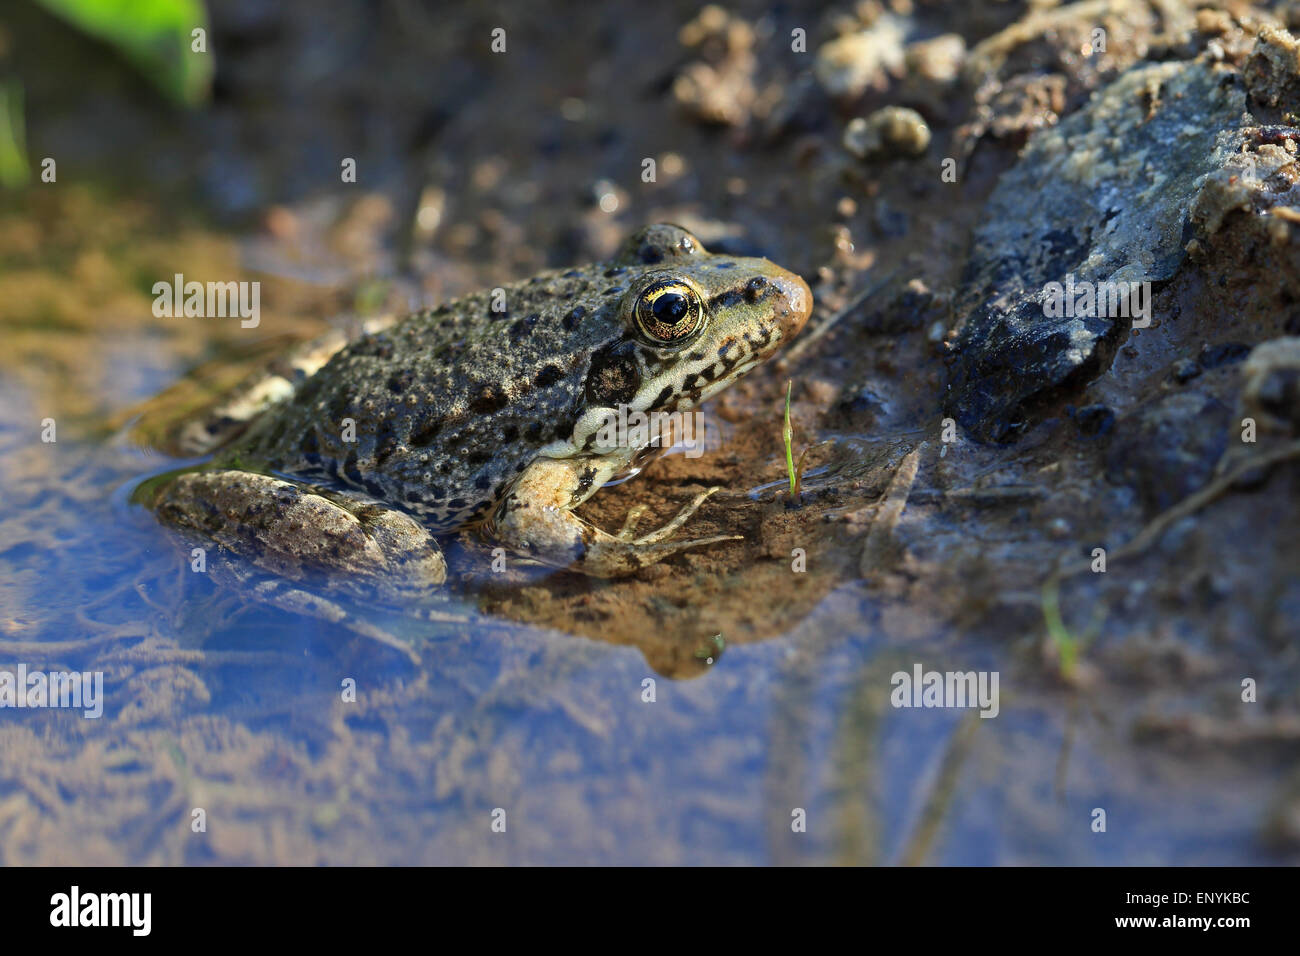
(757, 332)
(713, 388)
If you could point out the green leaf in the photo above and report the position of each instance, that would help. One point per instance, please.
(154, 35)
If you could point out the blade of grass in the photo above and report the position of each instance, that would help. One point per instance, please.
(787, 433)
(798, 472)
(14, 171)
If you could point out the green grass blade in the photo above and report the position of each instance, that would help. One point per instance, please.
(14, 171)
(787, 433)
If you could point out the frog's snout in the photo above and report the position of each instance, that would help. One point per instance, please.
(792, 303)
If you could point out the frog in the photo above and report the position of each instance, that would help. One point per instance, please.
(486, 414)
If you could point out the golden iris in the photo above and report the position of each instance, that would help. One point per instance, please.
(669, 311)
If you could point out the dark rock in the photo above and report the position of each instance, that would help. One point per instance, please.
(1184, 370)
(1081, 203)
(1270, 388)
(1094, 420)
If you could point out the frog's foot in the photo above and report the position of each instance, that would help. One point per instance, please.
(667, 531)
(281, 594)
(301, 533)
(634, 515)
(535, 520)
(609, 557)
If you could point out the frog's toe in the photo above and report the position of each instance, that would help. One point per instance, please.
(628, 531)
(671, 527)
(277, 593)
(617, 555)
(611, 558)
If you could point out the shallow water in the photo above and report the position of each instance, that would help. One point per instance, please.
(237, 709)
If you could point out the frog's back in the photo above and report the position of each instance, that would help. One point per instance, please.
(439, 412)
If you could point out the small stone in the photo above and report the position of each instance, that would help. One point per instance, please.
(717, 88)
(1094, 420)
(1272, 72)
(1213, 23)
(888, 134)
(1270, 392)
(938, 60)
(848, 66)
(1184, 370)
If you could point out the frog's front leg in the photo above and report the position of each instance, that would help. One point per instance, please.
(535, 519)
(300, 532)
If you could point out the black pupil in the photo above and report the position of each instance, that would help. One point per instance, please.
(670, 308)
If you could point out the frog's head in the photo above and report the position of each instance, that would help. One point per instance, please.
(695, 322)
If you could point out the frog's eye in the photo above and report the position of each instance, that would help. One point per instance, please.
(669, 311)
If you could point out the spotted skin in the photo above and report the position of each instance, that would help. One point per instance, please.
(488, 411)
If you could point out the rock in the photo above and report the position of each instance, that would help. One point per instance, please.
(1240, 185)
(1270, 391)
(1213, 23)
(848, 66)
(1021, 105)
(937, 60)
(718, 88)
(889, 133)
(1103, 197)
(1272, 71)
(1043, 64)
(1225, 353)
(1184, 370)
(1057, 35)
(1094, 420)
